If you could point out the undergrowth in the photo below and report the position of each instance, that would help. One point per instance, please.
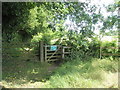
(17, 73)
(84, 74)
(77, 73)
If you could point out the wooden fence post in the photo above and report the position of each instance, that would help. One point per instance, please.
(45, 53)
(41, 51)
(63, 50)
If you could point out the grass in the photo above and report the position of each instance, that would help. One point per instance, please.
(94, 73)
(19, 73)
(88, 73)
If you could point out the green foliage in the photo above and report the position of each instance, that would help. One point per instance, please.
(110, 47)
(29, 18)
(10, 51)
(86, 47)
(15, 16)
(110, 22)
(44, 21)
(90, 73)
(79, 74)
(20, 51)
(112, 7)
(48, 37)
(23, 21)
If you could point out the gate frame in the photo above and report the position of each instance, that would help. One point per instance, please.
(43, 52)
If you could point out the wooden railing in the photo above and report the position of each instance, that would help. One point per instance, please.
(110, 54)
(17, 50)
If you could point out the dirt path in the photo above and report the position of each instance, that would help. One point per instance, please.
(53, 67)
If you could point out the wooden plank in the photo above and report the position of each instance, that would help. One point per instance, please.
(52, 60)
(110, 54)
(52, 56)
(109, 47)
(54, 51)
(66, 47)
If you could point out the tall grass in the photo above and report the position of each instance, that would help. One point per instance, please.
(77, 73)
(87, 74)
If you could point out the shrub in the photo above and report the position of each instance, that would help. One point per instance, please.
(109, 47)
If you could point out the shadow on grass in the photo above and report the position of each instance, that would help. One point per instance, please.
(21, 72)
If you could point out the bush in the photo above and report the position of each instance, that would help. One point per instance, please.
(109, 47)
(93, 49)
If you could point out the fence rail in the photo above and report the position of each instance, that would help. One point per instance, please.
(110, 54)
(42, 52)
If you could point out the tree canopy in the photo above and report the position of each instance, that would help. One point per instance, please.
(23, 21)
